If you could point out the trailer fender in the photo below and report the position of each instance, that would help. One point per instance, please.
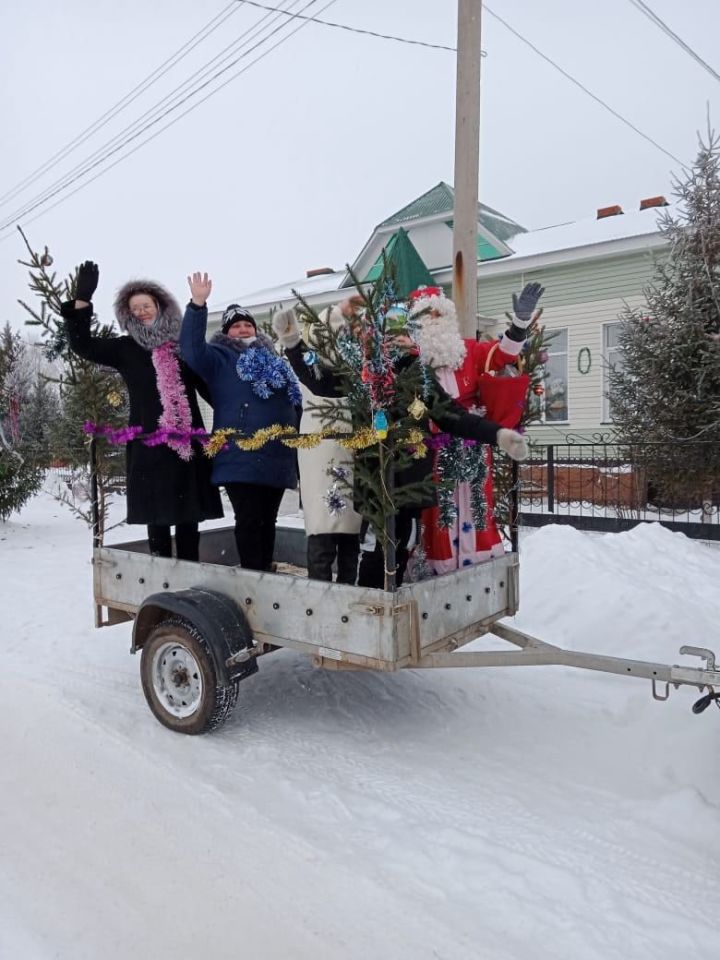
(222, 623)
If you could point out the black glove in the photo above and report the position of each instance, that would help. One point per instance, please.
(524, 305)
(87, 281)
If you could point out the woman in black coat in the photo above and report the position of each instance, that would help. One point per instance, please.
(168, 484)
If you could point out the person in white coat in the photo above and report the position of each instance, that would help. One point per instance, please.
(332, 537)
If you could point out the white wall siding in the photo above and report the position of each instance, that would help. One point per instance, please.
(581, 298)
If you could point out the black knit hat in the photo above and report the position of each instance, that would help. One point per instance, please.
(233, 313)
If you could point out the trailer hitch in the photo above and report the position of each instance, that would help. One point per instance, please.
(704, 702)
(701, 705)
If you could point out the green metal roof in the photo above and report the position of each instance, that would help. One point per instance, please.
(441, 199)
(485, 249)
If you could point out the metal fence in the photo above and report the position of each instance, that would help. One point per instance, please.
(612, 487)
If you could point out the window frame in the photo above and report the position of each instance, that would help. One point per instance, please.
(606, 414)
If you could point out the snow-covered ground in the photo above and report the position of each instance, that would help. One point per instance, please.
(537, 814)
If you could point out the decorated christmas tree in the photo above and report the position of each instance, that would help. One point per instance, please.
(665, 394)
(506, 473)
(385, 412)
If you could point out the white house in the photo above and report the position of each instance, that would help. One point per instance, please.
(591, 270)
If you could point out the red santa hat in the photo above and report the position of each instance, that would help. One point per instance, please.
(435, 328)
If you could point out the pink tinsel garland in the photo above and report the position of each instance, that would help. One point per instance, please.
(176, 418)
(120, 435)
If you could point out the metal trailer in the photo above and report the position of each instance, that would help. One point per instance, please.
(202, 627)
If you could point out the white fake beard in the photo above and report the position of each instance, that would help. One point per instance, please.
(439, 337)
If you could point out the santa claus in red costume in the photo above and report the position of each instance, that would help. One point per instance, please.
(461, 529)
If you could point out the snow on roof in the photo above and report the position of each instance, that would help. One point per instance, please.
(586, 232)
(547, 240)
(307, 286)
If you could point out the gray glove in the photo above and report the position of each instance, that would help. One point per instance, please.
(525, 305)
(285, 324)
(513, 443)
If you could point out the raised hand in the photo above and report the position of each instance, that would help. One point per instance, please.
(86, 281)
(525, 305)
(285, 324)
(351, 306)
(200, 288)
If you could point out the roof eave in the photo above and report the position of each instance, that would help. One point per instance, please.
(535, 261)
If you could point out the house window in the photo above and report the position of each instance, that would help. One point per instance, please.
(552, 405)
(612, 360)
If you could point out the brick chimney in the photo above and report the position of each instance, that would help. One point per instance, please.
(318, 272)
(649, 202)
(613, 211)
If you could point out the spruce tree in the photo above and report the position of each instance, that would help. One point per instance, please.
(506, 472)
(364, 366)
(20, 473)
(87, 391)
(665, 395)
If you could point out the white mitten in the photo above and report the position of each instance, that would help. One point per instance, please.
(285, 324)
(513, 443)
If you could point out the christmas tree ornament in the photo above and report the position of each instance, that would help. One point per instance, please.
(417, 409)
(396, 318)
(380, 424)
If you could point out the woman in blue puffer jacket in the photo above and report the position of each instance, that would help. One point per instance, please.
(250, 388)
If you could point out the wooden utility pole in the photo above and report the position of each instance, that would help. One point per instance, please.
(467, 162)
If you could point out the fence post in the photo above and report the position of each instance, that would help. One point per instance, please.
(94, 505)
(551, 478)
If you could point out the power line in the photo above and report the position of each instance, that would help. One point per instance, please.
(125, 135)
(156, 75)
(349, 29)
(652, 16)
(577, 83)
(192, 107)
(68, 180)
(153, 115)
(152, 78)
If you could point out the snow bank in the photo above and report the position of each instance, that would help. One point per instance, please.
(530, 814)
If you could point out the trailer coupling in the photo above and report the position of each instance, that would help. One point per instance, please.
(535, 652)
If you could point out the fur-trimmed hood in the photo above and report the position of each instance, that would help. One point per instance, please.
(167, 323)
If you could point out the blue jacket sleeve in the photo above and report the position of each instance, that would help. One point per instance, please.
(193, 349)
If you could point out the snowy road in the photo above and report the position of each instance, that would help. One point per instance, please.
(524, 815)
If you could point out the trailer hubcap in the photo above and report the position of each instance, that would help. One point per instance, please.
(177, 680)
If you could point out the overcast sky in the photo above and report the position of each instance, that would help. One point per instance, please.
(292, 164)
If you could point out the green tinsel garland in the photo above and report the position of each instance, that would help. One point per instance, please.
(460, 463)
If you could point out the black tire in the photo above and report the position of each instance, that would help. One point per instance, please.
(184, 697)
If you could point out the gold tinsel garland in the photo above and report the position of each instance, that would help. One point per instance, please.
(289, 437)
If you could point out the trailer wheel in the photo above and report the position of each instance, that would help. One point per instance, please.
(179, 679)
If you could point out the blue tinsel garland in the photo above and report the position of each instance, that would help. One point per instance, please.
(266, 373)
